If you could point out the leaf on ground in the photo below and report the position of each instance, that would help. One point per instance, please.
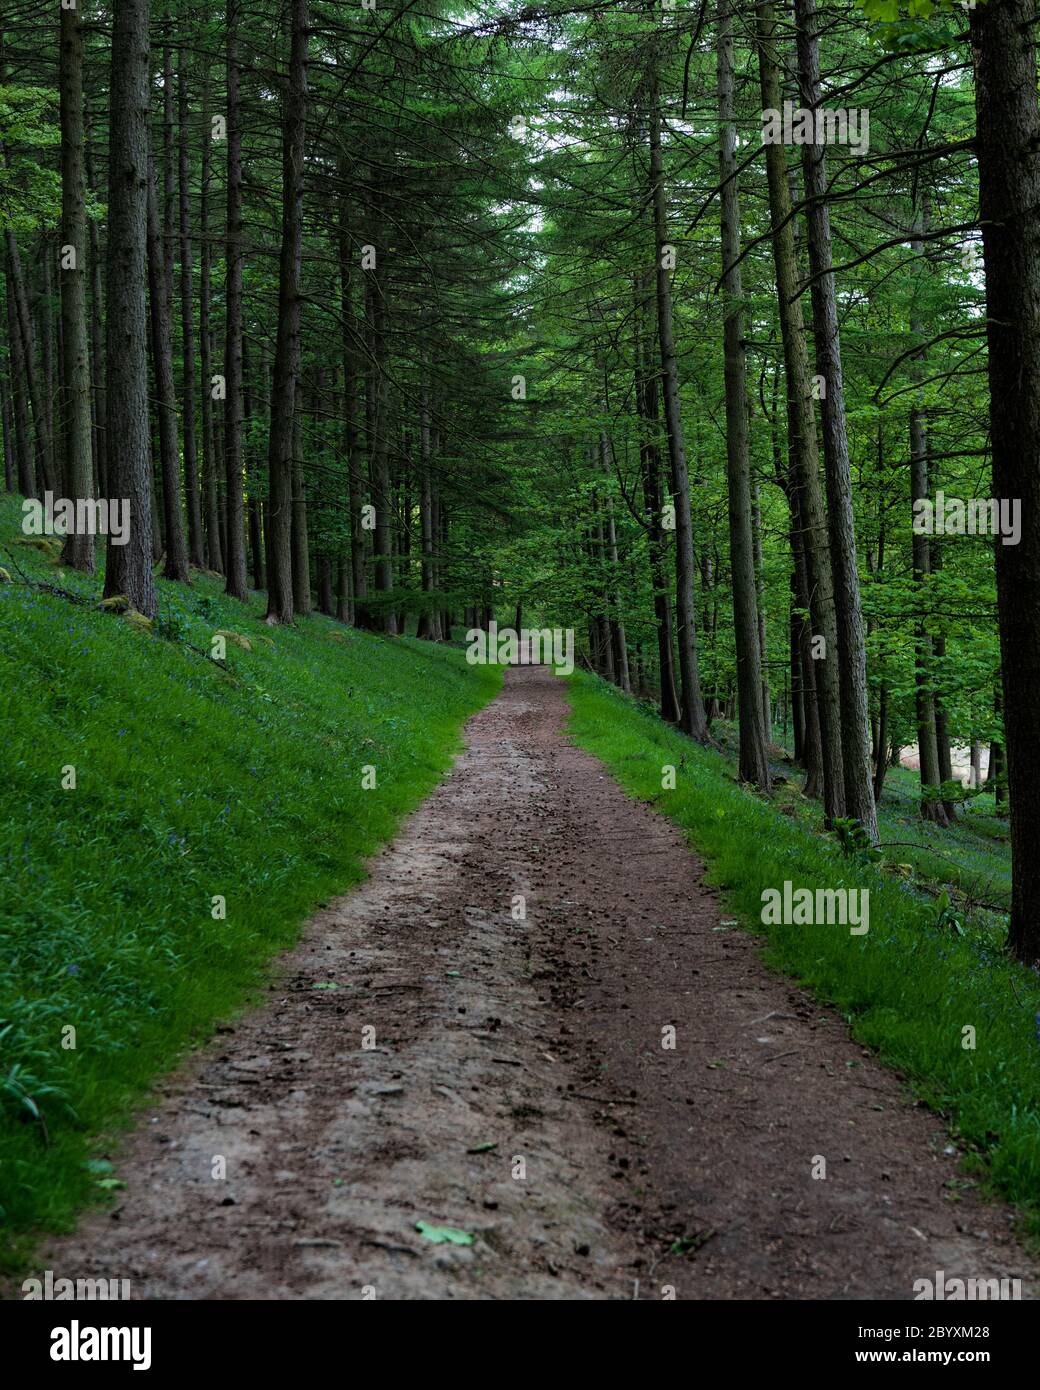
(483, 1148)
(443, 1235)
(686, 1245)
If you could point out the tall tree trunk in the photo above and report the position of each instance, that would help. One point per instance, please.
(45, 318)
(795, 625)
(355, 490)
(996, 772)
(808, 669)
(753, 763)
(852, 660)
(97, 353)
(344, 609)
(7, 425)
(932, 808)
(210, 486)
(650, 467)
(78, 550)
(763, 646)
(924, 704)
(692, 720)
(33, 379)
(162, 361)
(27, 485)
(429, 620)
(942, 722)
(235, 554)
(287, 348)
(820, 683)
(617, 622)
(252, 468)
(128, 568)
(301, 555)
(442, 572)
(379, 471)
(196, 537)
(1008, 130)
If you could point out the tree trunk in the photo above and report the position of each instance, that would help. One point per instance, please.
(617, 623)
(33, 381)
(344, 609)
(196, 537)
(287, 348)
(763, 645)
(235, 554)
(379, 472)
(650, 466)
(429, 619)
(162, 364)
(355, 491)
(1008, 129)
(852, 662)
(45, 319)
(19, 400)
(753, 763)
(820, 684)
(301, 555)
(932, 808)
(692, 720)
(252, 474)
(78, 550)
(128, 569)
(7, 425)
(210, 487)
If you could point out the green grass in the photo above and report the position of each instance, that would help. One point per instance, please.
(191, 781)
(907, 988)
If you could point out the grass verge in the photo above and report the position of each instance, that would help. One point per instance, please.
(908, 988)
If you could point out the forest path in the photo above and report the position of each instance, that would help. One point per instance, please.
(541, 1038)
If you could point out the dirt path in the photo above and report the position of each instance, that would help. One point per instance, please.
(543, 1038)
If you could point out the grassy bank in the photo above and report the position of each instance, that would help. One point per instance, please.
(193, 780)
(908, 988)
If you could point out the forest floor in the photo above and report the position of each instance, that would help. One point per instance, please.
(518, 1089)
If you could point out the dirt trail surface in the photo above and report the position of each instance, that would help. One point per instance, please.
(518, 1089)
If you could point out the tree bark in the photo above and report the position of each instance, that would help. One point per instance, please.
(378, 471)
(692, 719)
(852, 662)
(617, 621)
(33, 380)
(650, 468)
(753, 760)
(1007, 137)
(97, 351)
(235, 554)
(128, 569)
(252, 470)
(210, 485)
(287, 347)
(196, 537)
(820, 684)
(19, 400)
(301, 556)
(355, 490)
(162, 362)
(78, 550)
(7, 425)
(429, 618)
